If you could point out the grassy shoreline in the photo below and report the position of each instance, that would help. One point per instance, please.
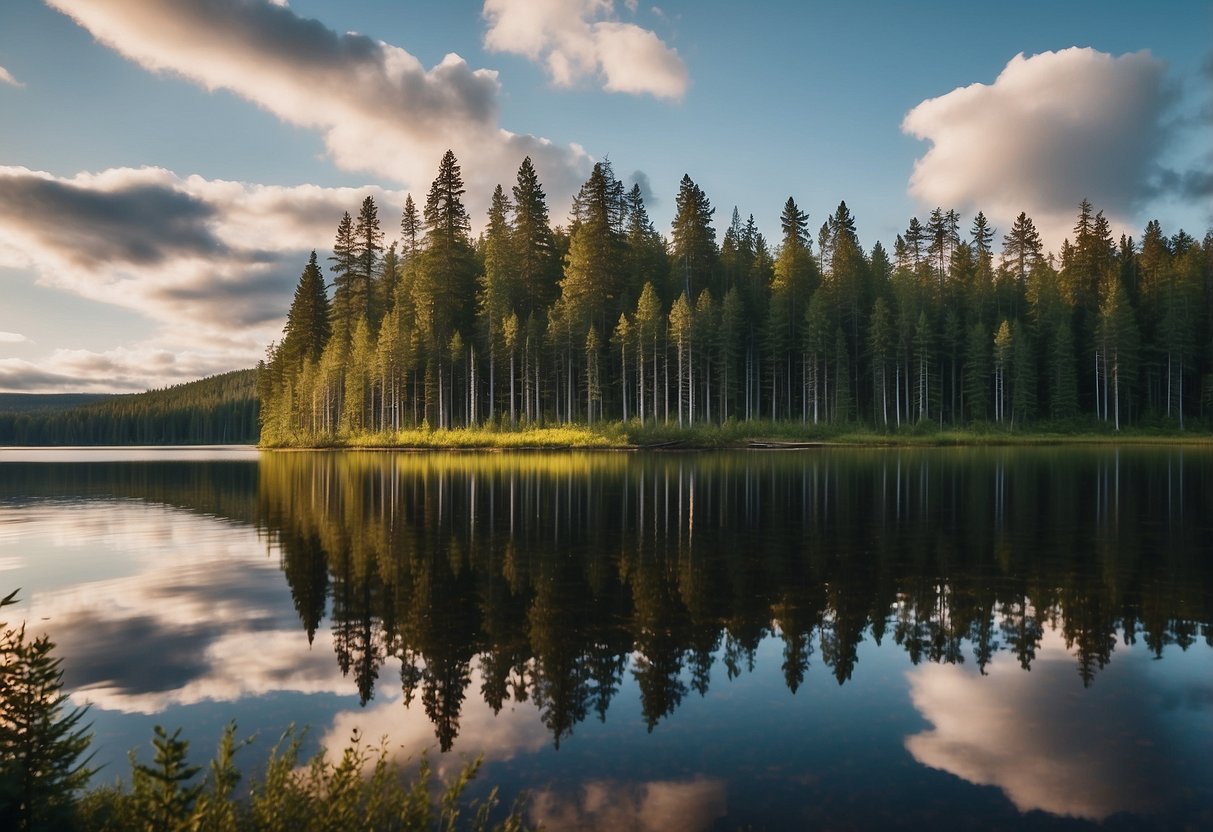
(742, 435)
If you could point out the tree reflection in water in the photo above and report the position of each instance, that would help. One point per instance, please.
(554, 575)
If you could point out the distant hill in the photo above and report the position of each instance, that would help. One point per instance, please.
(42, 402)
(220, 409)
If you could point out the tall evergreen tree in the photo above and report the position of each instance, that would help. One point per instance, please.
(593, 274)
(498, 282)
(537, 263)
(647, 259)
(1021, 248)
(444, 286)
(367, 249)
(345, 276)
(308, 324)
(693, 240)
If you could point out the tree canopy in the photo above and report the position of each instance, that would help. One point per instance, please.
(607, 319)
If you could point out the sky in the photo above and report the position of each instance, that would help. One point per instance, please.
(167, 165)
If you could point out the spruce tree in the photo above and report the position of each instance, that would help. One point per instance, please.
(1021, 248)
(537, 263)
(444, 285)
(308, 324)
(367, 255)
(693, 239)
(593, 268)
(345, 276)
(42, 742)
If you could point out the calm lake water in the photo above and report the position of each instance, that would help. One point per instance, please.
(990, 638)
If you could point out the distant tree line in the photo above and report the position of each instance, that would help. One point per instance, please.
(609, 319)
(215, 410)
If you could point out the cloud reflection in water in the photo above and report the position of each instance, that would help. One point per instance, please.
(1043, 739)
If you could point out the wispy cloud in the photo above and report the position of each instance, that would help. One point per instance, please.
(212, 262)
(12, 338)
(1051, 130)
(377, 107)
(581, 40)
(6, 77)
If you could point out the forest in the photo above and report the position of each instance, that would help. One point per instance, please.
(607, 319)
(218, 409)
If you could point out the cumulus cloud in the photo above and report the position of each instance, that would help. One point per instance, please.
(579, 40)
(1041, 738)
(6, 77)
(378, 108)
(212, 263)
(1051, 130)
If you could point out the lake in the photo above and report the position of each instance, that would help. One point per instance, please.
(842, 638)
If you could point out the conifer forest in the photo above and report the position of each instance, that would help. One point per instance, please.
(608, 319)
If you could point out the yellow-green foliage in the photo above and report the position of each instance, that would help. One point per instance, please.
(731, 434)
(363, 789)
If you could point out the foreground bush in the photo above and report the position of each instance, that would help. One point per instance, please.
(44, 767)
(361, 790)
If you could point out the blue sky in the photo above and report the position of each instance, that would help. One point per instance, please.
(165, 165)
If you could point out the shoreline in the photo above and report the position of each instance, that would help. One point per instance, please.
(763, 436)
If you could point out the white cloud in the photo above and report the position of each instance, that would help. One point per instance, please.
(212, 262)
(1042, 738)
(201, 596)
(6, 77)
(665, 805)
(377, 107)
(1051, 130)
(575, 42)
(515, 730)
(12, 338)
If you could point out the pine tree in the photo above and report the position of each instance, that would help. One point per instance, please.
(593, 273)
(924, 360)
(163, 794)
(497, 283)
(680, 333)
(977, 372)
(880, 346)
(308, 324)
(366, 253)
(538, 266)
(1023, 384)
(1063, 397)
(693, 239)
(648, 326)
(621, 338)
(843, 402)
(795, 277)
(1003, 346)
(443, 289)
(646, 256)
(593, 375)
(704, 327)
(1021, 248)
(41, 741)
(345, 276)
(1117, 339)
(729, 346)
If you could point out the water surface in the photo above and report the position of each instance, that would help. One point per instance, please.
(869, 638)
